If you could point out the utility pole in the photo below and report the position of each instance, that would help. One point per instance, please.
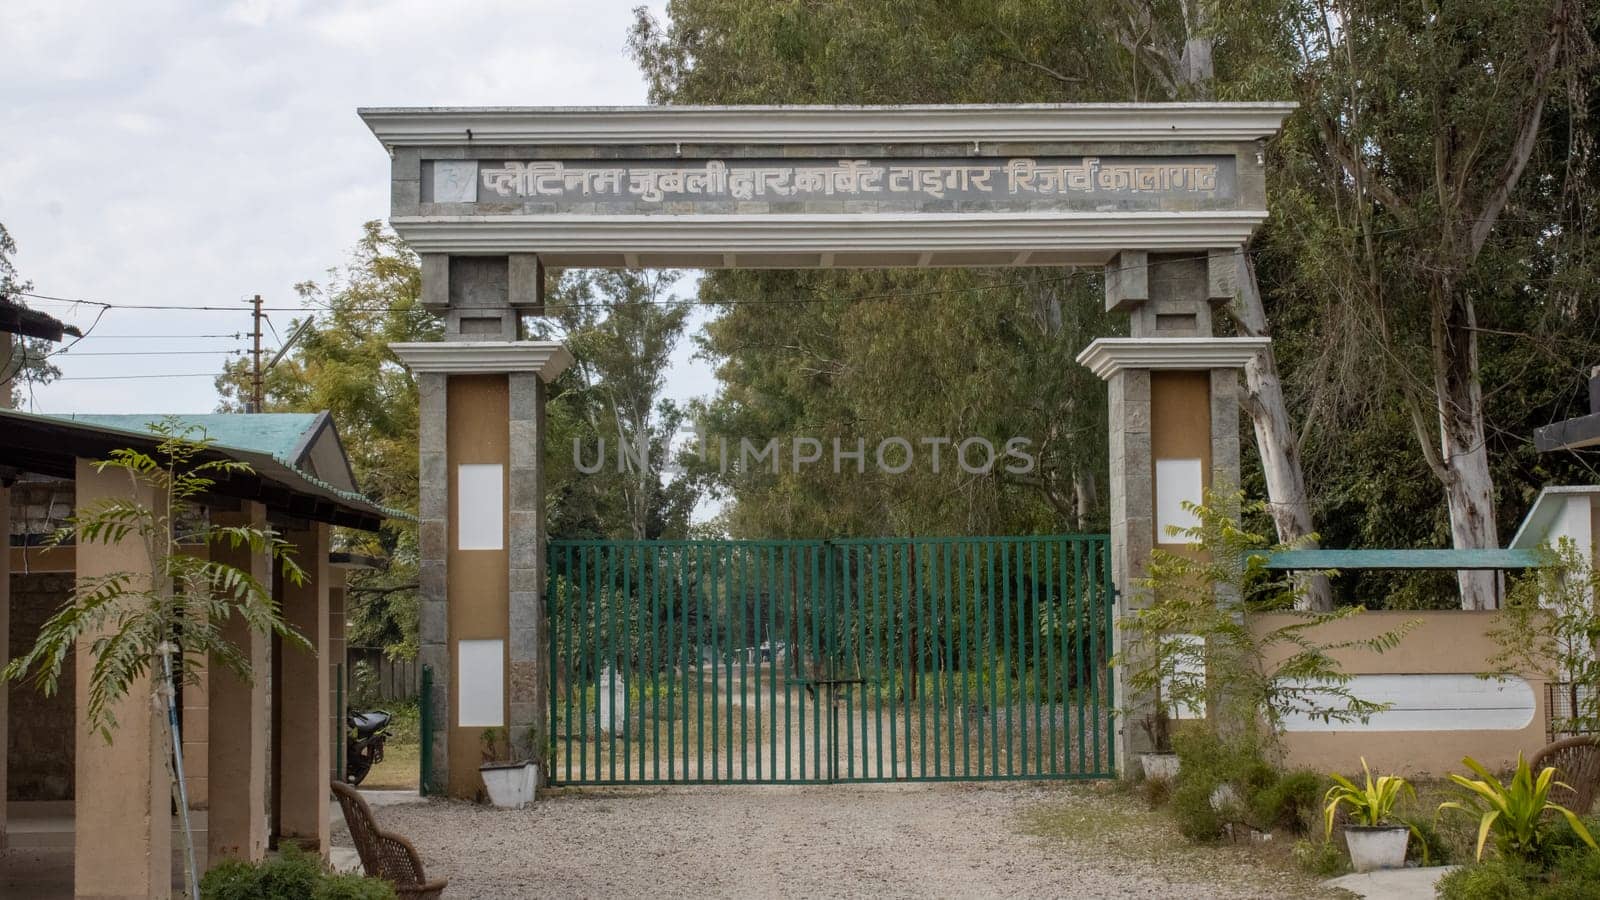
(256, 393)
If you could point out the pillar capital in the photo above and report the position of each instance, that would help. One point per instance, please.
(547, 359)
(1106, 357)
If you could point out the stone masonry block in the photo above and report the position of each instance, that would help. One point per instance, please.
(435, 282)
(478, 281)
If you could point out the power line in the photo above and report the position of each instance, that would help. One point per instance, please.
(152, 353)
(162, 337)
(130, 377)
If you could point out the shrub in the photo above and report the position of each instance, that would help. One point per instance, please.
(1156, 792)
(1289, 802)
(1499, 879)
(1427, 846)
(1197, 819)
(1320, 858)
(1575, 876)
(292, 875)
(1206, 763)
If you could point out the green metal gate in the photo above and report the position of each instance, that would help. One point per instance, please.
(918, 659)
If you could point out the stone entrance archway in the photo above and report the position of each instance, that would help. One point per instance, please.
(1161, 195)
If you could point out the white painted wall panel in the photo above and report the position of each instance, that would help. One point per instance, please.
(1177, 481)
(480, 507)
(1435, 703)
(481, 681)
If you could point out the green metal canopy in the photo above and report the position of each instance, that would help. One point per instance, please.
(279, 435)
(1404, 559)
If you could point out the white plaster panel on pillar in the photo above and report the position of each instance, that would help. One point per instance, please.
(480, 683)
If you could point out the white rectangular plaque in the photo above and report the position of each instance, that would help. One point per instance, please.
(480, 680)
(455, 181)
(1178, 481)
(480, 507)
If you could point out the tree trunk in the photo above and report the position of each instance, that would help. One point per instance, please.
(1275, 437)
(1468, 484)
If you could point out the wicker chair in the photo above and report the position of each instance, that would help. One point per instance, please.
(1577, 763)
(384, 855)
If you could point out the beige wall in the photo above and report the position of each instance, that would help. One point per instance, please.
(1180, 428)
(1449, 642)
(478, 580)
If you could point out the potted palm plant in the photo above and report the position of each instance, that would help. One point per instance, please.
(511, 782)
(1373, 836)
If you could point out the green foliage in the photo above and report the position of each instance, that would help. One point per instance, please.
(129, 620)
(1572, 875)
(1427, 847)
(611, 429)
(1575, 876)
(291, 875)
(1288, 803)
(1500, 879)
(342, 364)
(1409, 118)
(1206, 763)
(1371, 804)
(1198, 645)
(1320, 858)
(1514, 811)
(1548, 626)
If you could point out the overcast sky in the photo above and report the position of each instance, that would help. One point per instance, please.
(199, 153)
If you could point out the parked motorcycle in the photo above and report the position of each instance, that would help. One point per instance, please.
(365, 734)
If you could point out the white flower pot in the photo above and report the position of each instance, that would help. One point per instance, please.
(510, 785)
(1159, 766)
(1383, 847)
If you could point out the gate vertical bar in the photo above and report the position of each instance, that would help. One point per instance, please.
(1052, 666)
(1033, 642)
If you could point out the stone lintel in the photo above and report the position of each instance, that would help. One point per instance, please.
(548, 359)
(1107, 356)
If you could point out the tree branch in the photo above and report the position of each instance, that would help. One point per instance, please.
(1528, 131)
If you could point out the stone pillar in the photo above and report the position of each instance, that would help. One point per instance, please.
(1174, 421)
(433, 513)
(5, 639)
(481, 508)
(529, 663)
(238, 716)
(123, 825)
(303, 694)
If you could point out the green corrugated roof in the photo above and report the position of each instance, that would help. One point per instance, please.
(276, 434)
(1307, 560)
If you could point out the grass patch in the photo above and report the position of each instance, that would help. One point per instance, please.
(1113, 822)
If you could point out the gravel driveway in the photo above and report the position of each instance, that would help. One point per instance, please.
(944, 840)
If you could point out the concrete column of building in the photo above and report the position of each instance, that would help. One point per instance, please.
(481, 509)
(337, 700)
(302, 789)
(238, 715)
(123, 823)
(1174, 423)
